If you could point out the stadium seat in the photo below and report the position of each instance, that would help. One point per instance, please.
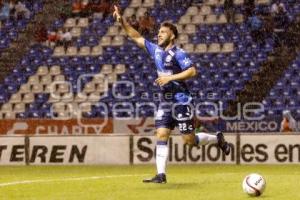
(83, 22)
(111, 78)
(186, 19)
(98, 78)
(222, 19)
(55, 70)
(119, 69)
(189, 48)
(201, 48)
(129, 12)
(59, 51)
(183, 39)
(101, 87)
(113, 30)
(70, 23)
(19, 107)
(179, 28)
(211, 2)
(9, 115)
(192, 11)
(214, 48)
(97, 50)
(7, 107)
(47, 79)
(210, 19)
(75, 32)
(107, 69)
(80, 97)
(59, 78)
(238, 2)
(37, 88)
(63, 88)
(140, 12)
(71, 51)
(25, 88)
(105, 41)
(84, 51)
(54, 96)
(239, 18)
(89, 87)
(122, 32)
(190, 29)
(34, 79)
(205, 10)
(28, 98)
(59, 107)
(148, 3)
(267, 2)
(197, 19)
(135, 3)
(227, 48)
(117, 41)
(42, 70)
(15, 98)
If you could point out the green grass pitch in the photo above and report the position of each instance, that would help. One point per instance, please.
(185, 182)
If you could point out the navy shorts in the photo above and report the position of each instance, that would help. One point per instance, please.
(169, 116)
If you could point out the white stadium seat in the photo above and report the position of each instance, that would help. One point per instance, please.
(83, 22)
(70, 22)
(201, 48)
(42, 70)
(59, 51)
(71, 51)
(97, 50)
(192, 11)
(117, 41)
(84, 51)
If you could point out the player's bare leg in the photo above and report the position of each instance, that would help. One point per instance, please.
(162, 152)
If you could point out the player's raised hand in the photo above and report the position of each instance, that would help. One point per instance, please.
(117, 14)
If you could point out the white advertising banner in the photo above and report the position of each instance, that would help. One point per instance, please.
(270, 149)
(144, 151)
(68, 150)
(79, 150)
(129, 149)
(12, 151)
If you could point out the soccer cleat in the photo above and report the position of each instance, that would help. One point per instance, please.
(159, 178)
(222, 143)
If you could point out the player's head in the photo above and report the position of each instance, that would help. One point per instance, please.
(167, 33)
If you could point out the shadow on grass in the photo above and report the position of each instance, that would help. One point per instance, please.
(171, 186)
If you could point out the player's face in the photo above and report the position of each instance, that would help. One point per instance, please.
(164, 36)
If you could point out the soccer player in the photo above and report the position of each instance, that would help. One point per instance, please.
(173, 68)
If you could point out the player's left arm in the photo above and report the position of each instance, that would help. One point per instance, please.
(189, 70)
(186, 74)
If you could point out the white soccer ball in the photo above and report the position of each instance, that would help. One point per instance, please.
(254, 184)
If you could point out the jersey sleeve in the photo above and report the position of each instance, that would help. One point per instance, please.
(150, 47)
(183, 60)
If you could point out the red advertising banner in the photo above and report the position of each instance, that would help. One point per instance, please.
(56, 127)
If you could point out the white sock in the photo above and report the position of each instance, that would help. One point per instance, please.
(204, 138)
(162, 152)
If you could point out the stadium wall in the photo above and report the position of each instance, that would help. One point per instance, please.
(129, 149)
(108, 125)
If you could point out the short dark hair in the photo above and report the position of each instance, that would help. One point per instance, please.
(172, 27)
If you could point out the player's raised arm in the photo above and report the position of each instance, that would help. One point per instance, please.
(130, 31)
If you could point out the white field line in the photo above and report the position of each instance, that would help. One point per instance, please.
(68, 179)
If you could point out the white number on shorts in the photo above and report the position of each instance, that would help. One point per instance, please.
(184, 127)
